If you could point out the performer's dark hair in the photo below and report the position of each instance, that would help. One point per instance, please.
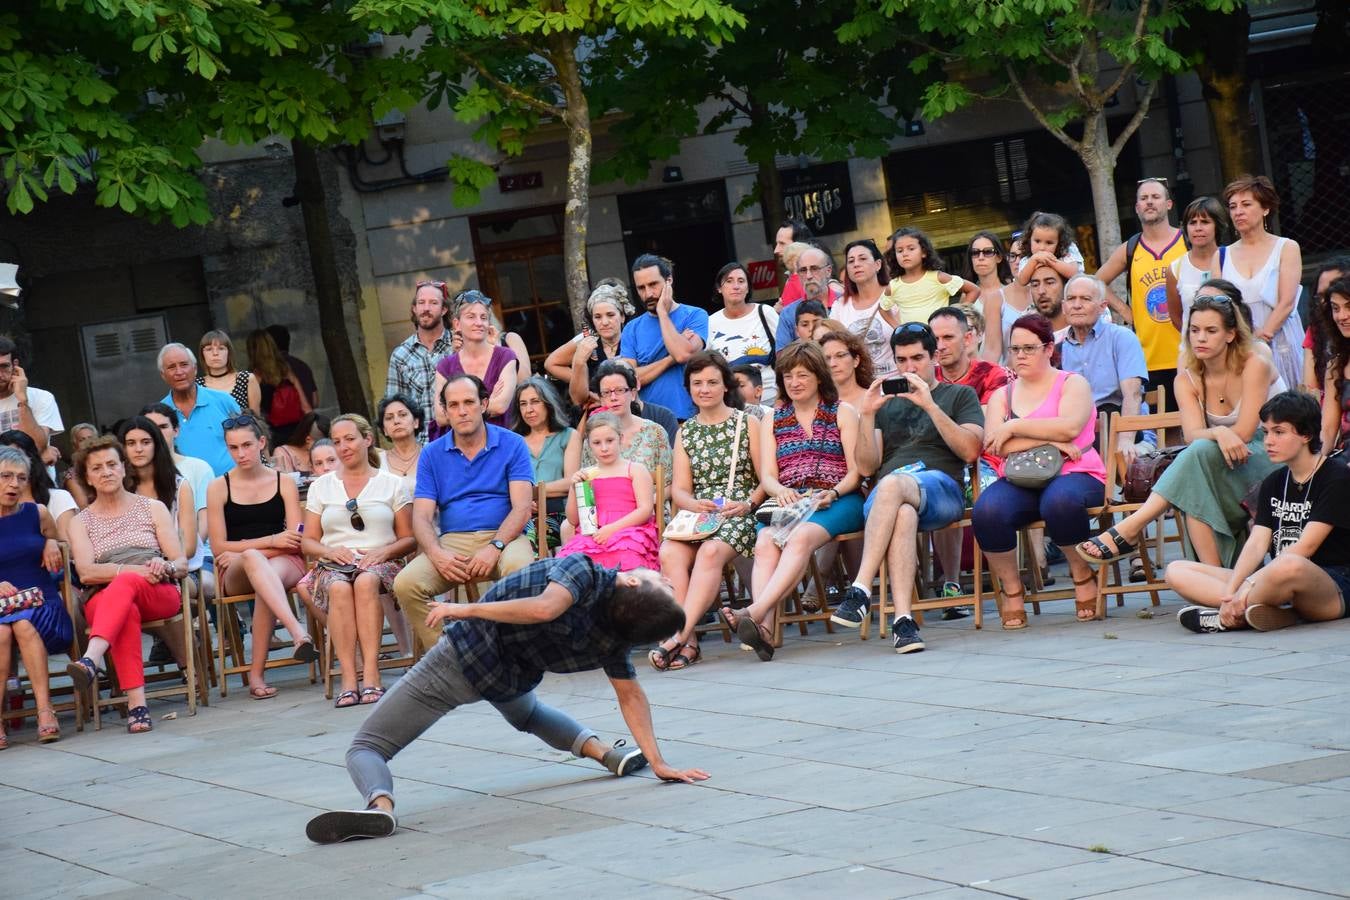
(644, 613)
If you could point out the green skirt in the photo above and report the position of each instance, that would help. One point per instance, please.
(1199, 483)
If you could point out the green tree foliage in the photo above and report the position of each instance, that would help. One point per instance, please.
(521, 70)
(1064, 60)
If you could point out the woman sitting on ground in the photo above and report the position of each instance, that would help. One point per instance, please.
(540, 420)
(1219, 391)
(127, 553)
(29, 558)
(253, 518)
(220, 372)
(806, 451)
(401, 421)
(358, 523)
(719, 436)
(1302, 521)
(39, 489)
(1043, 406)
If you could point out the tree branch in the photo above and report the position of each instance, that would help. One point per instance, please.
(1040, 117)
(1135, 121)
(1140, 20)
(506, 90)
(735, 104)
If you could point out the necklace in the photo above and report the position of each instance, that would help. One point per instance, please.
(405, 460)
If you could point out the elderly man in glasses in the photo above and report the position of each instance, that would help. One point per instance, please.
(475, 485)
(412, 365)
(201, 410)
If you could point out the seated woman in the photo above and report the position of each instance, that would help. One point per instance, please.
(1220, 389)
(126, 551)
(493, 364)
(540, 420)
(641, 440)
(716, 471)
(850, 365)
(625, 534)
(1302, 521)
(401, 421)
(151, 473)
(39, 488)
(358, 523)
(806, 450)
(29, 558)
(1043, 406)
(80, 435)
(293, 454)
(253, 518)
(575, 362)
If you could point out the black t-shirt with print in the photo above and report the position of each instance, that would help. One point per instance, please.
(1286, 508)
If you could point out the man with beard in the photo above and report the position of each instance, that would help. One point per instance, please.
(815, 268)
(1047, 295)
(412, 365)
(657, 343)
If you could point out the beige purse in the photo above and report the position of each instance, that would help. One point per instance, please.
(692, 527)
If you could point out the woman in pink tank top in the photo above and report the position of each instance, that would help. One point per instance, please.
(1043, 406)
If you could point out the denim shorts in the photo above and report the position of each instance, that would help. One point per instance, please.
(941, 500)
(1341, 576)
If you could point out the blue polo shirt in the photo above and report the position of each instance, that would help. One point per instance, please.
(199, 432)
(473, 494)
(1110, 354)
(641, 341)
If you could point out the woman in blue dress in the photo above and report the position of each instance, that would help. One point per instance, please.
(29, 557)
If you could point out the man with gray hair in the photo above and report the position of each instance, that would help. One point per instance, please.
(201, 410)
(1109, 356)
(815, 269)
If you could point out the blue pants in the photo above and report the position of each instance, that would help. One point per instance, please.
(1004, 508)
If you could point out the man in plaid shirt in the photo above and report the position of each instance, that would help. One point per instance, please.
(555, 615)
(412, 365)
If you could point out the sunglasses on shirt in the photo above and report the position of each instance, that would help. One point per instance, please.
(357, 522)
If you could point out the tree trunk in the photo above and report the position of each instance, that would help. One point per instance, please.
(768, 182)
(351, 396)
(1101, 167)
(1221, 39)
(577, 211)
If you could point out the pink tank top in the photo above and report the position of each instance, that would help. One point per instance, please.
(1090, 462)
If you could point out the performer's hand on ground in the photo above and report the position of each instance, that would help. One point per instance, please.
(688, 776)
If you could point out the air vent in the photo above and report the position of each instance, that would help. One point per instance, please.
(145, 340)
(107, 345)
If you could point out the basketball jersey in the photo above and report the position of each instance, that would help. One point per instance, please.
(1148, 302)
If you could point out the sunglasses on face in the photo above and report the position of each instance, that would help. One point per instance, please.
(357, 522)
(983, 251)
(243, 421)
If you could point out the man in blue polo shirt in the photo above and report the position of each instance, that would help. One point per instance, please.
(658, 342)
(475, 486)
(200, 409)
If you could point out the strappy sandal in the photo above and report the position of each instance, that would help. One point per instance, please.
(305, 651)
(48, 734)
(1013, 619)
(84, 674)
(1123, 549)
(755, 636)
(4, 738)
(1137, 573)
(371, 695)
(352, 697)
(139, 721)
(1085, 606)
(661, 656)
(728, 617)
(684, 659)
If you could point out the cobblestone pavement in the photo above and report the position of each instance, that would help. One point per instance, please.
(1123, 759)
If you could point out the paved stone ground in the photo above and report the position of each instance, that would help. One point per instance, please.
(1122, 759)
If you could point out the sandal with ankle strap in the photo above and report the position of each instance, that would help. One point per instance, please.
(48, 734)
(1013, 619)
(139, 721)
(661, 656)
(1085, 606)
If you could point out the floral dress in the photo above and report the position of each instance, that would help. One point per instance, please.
(710, 451)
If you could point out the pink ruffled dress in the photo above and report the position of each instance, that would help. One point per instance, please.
(637, 546)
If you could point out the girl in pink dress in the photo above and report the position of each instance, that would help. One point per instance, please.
(624, 504)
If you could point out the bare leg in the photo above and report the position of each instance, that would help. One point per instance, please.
(702, 585)
(1003, 566)
(1203, 541)
(892, 494)
(1298, 581)
(1198, 583)
(901, 560)
(1132, 526)
(369, 625)
(787, 569)
(342, 630)
(947, 544)
(34, 654)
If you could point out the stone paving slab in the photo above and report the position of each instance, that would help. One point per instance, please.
(1126, 759)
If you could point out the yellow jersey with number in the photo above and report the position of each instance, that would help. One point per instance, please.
(1148, 302)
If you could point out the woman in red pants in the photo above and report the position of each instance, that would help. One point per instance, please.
(127, 553)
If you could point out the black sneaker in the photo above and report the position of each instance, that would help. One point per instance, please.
(1200, 619)
(952, 589)
(624, 760)
(855, 608)
(906, 633)
(350, 825)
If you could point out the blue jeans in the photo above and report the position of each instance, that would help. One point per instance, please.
(941, 501)
(432, 688)
(1004, 508)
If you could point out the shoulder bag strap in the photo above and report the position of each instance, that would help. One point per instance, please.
(735, 452)
(763, 320)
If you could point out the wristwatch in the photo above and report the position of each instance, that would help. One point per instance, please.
(500, 545)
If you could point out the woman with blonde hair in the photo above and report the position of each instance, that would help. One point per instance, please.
(282, 399)
(220, 373)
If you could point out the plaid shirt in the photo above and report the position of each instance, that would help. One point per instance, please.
(505, 661)
(412, 371)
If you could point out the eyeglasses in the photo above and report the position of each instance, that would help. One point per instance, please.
(1026, 349)
(811, 270)
(357, 522)
(16, 477)
(978, 252)
(243, 421)
(615, 392)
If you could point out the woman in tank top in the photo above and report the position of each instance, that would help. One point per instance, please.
(987, 268)
(220, 373)
(127, 552)
(253, 518)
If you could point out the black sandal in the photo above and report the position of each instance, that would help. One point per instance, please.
(661, 657)
(1123, 549)
(139, 721)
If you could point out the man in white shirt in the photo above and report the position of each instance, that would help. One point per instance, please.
(28, 409)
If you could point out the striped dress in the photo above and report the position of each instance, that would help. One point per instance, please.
(816, 462)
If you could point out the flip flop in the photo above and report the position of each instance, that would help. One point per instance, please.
(371, 696)
(1123, 549)
(263, 692)
(754, 635)
(347, 695)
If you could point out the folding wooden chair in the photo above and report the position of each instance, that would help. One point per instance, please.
(27, 702)
(230, 642)
(541, 548)
(792, 610)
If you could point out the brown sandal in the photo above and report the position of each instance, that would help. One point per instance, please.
(1013, 619)
(1085, 606)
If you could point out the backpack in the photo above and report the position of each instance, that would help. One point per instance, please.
(285, 408)
(1133, 244)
